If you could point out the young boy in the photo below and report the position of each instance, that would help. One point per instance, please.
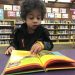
(31, 35)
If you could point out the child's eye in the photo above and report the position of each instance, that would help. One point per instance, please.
(31, 17)
(39, 18)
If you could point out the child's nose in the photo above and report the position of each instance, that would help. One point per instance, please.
(35, 20)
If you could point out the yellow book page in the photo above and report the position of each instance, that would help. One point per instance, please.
(49, 57)
(20, 59)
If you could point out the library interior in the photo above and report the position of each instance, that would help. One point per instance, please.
(59, 20)
(29, 46)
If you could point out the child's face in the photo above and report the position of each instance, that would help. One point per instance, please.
(33, 20)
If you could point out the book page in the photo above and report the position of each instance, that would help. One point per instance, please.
(23, 60)
(48, 58)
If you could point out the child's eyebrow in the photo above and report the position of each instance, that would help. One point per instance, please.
(30, 13)
(33, 15)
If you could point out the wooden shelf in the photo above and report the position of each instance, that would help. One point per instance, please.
(6, 28)
(62, 35)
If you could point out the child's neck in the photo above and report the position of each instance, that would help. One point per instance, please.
(30, 31)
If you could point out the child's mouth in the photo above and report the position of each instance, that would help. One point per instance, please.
(35, 26)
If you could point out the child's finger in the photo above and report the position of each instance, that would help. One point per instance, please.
(10, 51)
(7, 52)
(32, 51)
(35, 50)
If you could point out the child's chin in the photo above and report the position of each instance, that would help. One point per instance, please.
(35, 27)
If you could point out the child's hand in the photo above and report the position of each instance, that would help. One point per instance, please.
(38, 46)
(9, 50)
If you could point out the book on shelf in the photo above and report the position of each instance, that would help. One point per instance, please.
(3, 63)
(50, 15)
(24, 62)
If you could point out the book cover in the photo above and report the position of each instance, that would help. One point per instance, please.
(24, 61)
(3, 62)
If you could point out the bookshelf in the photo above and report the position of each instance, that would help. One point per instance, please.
(60, 22)
(6, 29)
(61, 32)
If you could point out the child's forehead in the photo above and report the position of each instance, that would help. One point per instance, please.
(34, 12)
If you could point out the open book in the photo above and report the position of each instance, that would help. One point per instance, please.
(24, 61)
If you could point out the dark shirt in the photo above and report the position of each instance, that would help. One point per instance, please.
(24, 41)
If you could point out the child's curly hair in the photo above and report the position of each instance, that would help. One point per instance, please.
(29, 5)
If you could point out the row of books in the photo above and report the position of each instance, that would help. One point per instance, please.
(58, 21)
(56, 15)
(59, 26)
(63, 37)
(72, 27)
(56, 10)
(11, 7)
(60, 13)
(5, 30)
(6, 22)
(60, 37)
(61, 32)
(62, 27)
(49, 26)
(51, 32)
(60, 10)
(72, 32)
(4, 36)
(4, 41)
(53, 37)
